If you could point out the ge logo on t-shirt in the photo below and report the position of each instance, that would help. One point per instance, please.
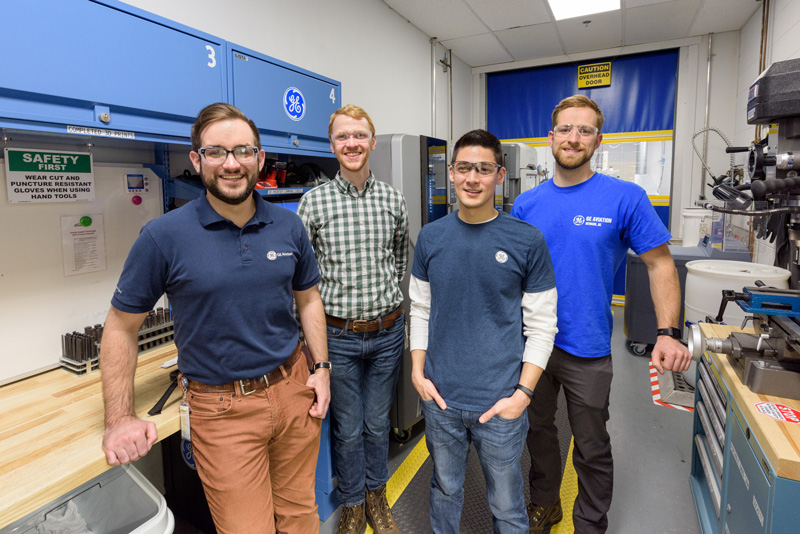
(271, 255)
(578, 220)
(501, 256)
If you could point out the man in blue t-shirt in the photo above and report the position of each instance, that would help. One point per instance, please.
(589, 221)
(232, 266)
(483, 317)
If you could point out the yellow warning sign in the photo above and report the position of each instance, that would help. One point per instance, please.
(594, 75)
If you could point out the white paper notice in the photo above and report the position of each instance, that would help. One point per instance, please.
(84, 243)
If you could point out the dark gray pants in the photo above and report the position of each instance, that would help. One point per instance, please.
(587, 383)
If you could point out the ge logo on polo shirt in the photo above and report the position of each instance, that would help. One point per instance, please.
(578, 220)
(501, 257)
(294, 104)
(272, 255)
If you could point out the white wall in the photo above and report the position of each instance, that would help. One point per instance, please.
(456, 84)
(40, 302)
(382, 61)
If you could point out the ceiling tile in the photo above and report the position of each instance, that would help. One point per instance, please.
(717, 16)
(531, 42)
(511, 13)
(604, 31)
(482, 49)
(487, 32)
(443, 19)
(674, 20)
(639, 3)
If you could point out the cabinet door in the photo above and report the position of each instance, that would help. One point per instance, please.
(290, 106)
(74, 61)
(748, 497)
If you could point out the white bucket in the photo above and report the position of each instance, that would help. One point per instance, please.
(705, 280)
(696, 224)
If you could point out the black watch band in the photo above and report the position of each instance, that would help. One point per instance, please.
(671, 332)
(322, 365)
(525, 390)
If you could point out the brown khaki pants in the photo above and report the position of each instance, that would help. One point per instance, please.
(257, 454)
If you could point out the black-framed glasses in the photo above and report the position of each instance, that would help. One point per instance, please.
(215, 155)
(485, 168)
(564, 130)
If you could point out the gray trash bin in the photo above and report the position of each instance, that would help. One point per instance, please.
(119, 501)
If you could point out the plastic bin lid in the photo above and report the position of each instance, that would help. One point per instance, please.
(118, 501)
(737, 269)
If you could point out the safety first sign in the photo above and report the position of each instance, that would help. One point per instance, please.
(34, 175)
(594, 75)
(779, 412)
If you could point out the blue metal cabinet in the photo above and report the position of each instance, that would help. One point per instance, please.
(290, 106)
(705, 482)
(327, 498)
(751, 495)
(748, 489)
(105, 65)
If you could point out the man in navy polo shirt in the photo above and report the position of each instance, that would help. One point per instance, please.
(232, 266)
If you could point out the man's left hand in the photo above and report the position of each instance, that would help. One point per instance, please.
(321, 382)
(507, 408)
(671, 355)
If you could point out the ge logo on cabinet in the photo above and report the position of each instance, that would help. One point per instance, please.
(294, 103)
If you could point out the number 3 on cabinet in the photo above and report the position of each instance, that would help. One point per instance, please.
(212, 60)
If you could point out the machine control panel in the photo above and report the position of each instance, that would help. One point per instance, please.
(137, 183)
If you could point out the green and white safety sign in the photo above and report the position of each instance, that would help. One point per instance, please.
(36, 175)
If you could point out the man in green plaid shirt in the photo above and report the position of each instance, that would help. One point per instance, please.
(358, 227)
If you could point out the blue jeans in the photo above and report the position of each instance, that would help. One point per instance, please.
(363, 380)
(499, 444)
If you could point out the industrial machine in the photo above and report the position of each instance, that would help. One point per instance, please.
(774, 186)
(767, 361)
(522, 173)
(416, 166)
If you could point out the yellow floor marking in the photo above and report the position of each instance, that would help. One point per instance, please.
(569, 490)
(404, 474)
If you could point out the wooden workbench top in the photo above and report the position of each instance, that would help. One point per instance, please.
(779, 440)
(51, 430)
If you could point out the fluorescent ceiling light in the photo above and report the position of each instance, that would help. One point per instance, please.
(568, 9)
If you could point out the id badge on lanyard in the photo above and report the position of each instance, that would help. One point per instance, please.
(183, 409)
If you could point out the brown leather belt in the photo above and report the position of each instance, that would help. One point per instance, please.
(359, 326)
(250, 385)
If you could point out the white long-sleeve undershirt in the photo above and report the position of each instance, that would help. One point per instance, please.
(538, 321)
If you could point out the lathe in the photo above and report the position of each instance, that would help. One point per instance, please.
(768, 360)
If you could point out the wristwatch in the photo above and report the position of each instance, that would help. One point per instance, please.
(671, 332)
(322, 365)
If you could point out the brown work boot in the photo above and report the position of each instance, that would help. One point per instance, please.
(378, 513)
(352, 520)
(542, 517)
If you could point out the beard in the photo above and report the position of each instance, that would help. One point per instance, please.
(233, 198)
(569, 163)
